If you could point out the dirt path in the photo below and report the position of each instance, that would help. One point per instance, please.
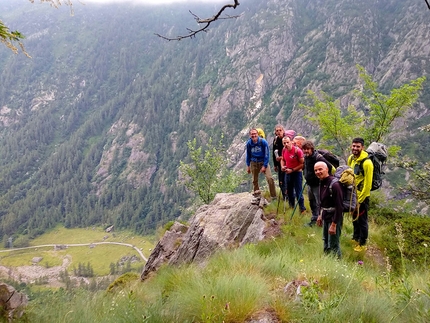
(82, 245)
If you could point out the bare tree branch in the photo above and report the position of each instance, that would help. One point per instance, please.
(206, 22)
(428, 5)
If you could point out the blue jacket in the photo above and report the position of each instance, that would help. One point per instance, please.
(257, 152)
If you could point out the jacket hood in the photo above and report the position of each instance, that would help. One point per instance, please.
(363, 155)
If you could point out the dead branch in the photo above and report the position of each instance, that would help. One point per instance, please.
(205, 22)
(428, 5)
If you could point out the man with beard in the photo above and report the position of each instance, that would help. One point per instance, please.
(311, 157)
(363, 171)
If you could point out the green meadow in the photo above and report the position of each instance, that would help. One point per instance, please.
(99, 256)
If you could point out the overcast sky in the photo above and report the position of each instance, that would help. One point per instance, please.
(160, 1)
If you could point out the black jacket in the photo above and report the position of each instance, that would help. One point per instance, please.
(309, 173)
(331, 200)
(277, 144)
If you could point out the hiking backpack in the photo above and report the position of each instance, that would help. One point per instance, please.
(261, 133)
(290, 134)
(345, 176)
(377, 153)
(330, 157)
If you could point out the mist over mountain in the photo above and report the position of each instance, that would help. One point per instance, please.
(94, 125)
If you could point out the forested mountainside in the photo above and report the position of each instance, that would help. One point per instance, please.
(94, 125)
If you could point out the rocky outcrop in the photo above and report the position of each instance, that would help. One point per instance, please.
(229, 221)
(12, 302)
(165, 248)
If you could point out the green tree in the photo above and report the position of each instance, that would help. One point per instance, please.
(11, 38)
(373, 123)
(419, 185)
(208, 174)
(337, 126)
(384, 109)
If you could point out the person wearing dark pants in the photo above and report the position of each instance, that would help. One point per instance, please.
(311, 158)
(277, 156)
(331, 209)
(361, 224)
(363, 171)
(292, 164)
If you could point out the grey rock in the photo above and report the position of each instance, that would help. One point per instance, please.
(164, 249)
(12, 302)
(229, 221)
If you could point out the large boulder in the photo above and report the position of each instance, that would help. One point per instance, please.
(229, 221)
(12, 302)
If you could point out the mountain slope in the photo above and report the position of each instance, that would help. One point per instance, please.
(93, 127)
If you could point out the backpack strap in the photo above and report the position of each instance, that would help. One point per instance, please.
(295, 153)
(361, 168)
(330, 187)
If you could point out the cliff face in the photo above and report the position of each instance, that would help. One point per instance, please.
(94, 126)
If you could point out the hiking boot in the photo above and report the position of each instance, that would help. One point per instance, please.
(354, 242)
(303, 211)
(256, 193)
(255, 200)
(311, 224)
(360, 248)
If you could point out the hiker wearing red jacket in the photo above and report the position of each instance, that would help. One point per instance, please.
(292, 164)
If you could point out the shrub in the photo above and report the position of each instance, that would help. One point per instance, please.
(408, 241)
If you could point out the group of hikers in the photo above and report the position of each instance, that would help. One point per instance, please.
(295, 160)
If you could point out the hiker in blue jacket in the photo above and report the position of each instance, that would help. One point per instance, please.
(257, 161)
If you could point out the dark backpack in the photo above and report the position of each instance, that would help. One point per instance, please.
(345, 176)
(378, 156)
(330, 157)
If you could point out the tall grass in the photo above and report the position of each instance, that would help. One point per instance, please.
(234, 285)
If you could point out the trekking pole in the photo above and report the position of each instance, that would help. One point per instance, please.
(300, 195)
(279, 200)
(285, 208)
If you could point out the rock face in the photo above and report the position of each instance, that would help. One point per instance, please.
(12, 302)
(229, 221)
